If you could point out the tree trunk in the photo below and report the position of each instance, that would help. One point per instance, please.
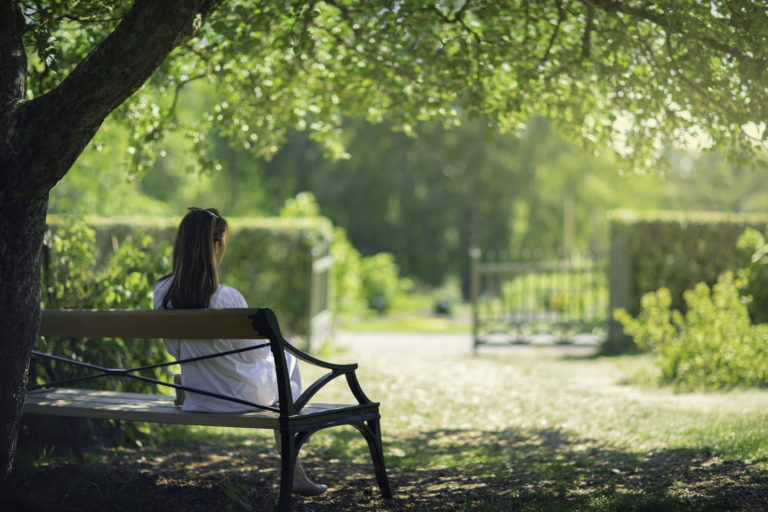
(21, 234)
(40, 140)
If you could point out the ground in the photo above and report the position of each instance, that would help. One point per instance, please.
(508, 429)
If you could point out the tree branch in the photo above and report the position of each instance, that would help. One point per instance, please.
(560, 19)
(637, 11)
(586, 41)
(13, 58)
(67, 117)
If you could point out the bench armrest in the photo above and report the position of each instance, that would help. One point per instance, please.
(265, 322)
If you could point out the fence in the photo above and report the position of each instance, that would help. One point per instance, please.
(538, 298)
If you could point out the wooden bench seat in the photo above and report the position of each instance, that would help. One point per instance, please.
(295, 421)
(96, 404)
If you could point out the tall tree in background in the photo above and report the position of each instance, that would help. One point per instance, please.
(426, 199)
(607, 70)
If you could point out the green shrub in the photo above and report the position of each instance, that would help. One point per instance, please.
(267, 258)
(712, 345)
(347, 288)
(70, 278)
(381, 282)
(358, 281)
(754, 253)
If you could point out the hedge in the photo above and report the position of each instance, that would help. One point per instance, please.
(673, 249)
(268, 259)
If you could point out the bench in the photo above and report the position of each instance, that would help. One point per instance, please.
(295, 421)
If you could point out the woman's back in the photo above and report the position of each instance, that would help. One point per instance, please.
(248, 375)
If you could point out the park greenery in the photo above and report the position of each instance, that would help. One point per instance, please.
(719, 338)
(259, 91)
(425, 199)
(407, 207)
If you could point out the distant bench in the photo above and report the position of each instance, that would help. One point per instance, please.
(295, 421)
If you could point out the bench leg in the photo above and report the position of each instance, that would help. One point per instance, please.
(371, 430)
(288, 455)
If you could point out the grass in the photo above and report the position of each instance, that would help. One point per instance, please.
(411, 313)
(406, 323)
(518, 429)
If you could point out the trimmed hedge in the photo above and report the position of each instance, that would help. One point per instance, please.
(268, 259)
(671, 249)
(677, 250)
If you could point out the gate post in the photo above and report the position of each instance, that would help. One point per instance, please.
(320, 322)
(620, 294)
(474, 291)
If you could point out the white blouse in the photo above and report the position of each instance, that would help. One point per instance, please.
(248, 375)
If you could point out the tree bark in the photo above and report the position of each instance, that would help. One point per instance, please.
(40, 140)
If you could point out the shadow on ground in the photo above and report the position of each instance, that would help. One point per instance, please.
(438, 470)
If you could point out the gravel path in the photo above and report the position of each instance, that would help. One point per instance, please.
(438, 345)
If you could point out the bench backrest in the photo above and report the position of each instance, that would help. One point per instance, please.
(185, 324)
(196, 324)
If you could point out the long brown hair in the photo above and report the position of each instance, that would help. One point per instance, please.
(195, 277)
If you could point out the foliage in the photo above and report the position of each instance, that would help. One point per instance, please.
(347, 289)
(428, 198)
(380, 281)
(267, 260)
(71, 279)
(373, 280)
(679, 249)
(101, 183)
(713, 345)
(425, 199)
(301, 206)
(633, 76)
(68, 259)
(755, 272)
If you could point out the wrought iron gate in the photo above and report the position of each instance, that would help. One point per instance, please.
(538, 299)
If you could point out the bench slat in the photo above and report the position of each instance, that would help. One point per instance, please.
(185, 324)
(88, 403)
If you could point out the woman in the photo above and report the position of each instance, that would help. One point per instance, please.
(201, 242)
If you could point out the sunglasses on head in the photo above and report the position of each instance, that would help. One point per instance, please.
(209, 211)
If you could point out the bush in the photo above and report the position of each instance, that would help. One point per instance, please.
(676, 250)
(267, 258)
(381, 283)
(126, 280)
(713, 345)
(347, 289)
(754, 252)
(358, 281)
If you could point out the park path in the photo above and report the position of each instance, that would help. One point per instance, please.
(440, 345)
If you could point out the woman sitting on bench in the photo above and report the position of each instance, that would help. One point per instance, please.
(200, 244)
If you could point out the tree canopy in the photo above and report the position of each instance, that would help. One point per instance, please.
(629, 75)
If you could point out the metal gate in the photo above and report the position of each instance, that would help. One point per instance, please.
(538, 298)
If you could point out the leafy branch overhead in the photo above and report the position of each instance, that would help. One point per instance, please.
(632, 75)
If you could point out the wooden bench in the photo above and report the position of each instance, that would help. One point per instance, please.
(295, 421)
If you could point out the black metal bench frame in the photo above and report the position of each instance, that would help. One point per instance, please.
(295, 421)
